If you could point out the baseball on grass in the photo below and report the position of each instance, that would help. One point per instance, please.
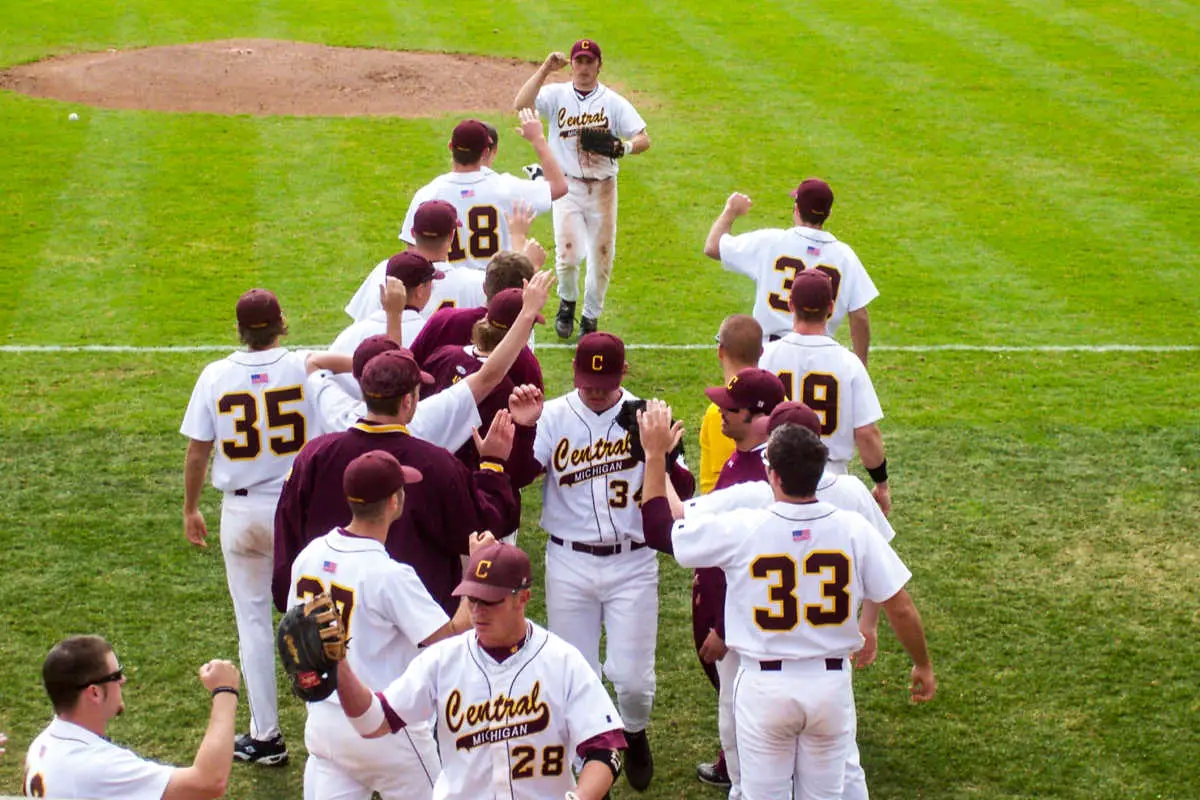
(73, 117)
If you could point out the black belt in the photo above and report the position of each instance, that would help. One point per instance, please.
(591, 180)
(774, 337)
(831, 665)
(597, 549)
(241, 492)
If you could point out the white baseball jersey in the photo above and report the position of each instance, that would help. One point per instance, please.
(569, 112)
(796, 573)
(846, 492)
(773, 256)
(505, 729)
(382, 603)
(593, 486)
(482, 198)
(445, 419)
(375, 324)
(254, 406)
(831, 381)
(461, 288)
(67, 760)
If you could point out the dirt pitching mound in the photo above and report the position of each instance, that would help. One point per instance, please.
(270, 77)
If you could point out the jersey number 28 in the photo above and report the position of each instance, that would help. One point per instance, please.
(483, 223)
(780, 570)
(524, 761)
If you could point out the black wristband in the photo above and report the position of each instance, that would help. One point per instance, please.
(878, 474)
(226, 690)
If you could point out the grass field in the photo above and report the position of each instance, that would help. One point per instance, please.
(1021, 173)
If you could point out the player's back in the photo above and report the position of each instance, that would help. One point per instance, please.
(830, 380)
(253, 405)
(773, 256)
(67, 760)
(796, 580)
(382, 603)
(481, 198)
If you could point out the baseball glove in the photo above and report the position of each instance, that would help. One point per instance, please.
(627, 419)
(599, 140)
(311, 642)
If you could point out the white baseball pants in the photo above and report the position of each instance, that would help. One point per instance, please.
(855, 787)
(248, 544)
(794, 722)
(344, 766)
(585, 225)
(619, 592)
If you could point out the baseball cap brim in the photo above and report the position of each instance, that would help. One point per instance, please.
(481, 591)
(722, 398)
(438, 274)
(594, 380)
(411, 475)
(426, 378)
(760, 425)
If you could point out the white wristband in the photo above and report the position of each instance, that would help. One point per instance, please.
(627, 147)
(369, 722)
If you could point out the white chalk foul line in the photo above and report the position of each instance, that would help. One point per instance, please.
(879, 348)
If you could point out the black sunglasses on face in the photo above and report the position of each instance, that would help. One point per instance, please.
(112, 677)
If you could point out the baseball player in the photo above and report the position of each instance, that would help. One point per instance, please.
(73, 757)
(773, 257)
(444, 509)
(843, 491)
(418, 275)
(599, 571)
(797, 572)
(515, 704)
(585, 220)
(482, 196)
(253, 404)
(455, 326)
(385, 608)
(739, 345)
(830, 380)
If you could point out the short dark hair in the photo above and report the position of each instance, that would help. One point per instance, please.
(69, 666)
(797, 456)
(486, 336)
(741, 338)
(385, 406)
(508, 269)
(262, 338)
(493, 135)
(371, 511)
(431, 242)
(805, 315)
(811, 218)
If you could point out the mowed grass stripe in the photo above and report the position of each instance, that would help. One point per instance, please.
(1143, 46)
(950, 277)
(1059, 259)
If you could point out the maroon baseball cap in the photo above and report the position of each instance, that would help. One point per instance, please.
(258, 308)
(391, 374)
(753, 389)
(814, 197)
(788, 412)
(367, 349)
(413, 269)
(599, 361)
(470, 136)
(434, 219)
(376, 476)
(495, 572)
(812, 290)
(504, 308)
(586, 47)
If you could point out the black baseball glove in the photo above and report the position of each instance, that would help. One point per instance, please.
(627, 419)
(311, 642)
(599, 140)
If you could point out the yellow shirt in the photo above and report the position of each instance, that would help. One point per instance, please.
(715, 448)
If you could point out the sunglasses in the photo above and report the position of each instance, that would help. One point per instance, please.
(112, 677)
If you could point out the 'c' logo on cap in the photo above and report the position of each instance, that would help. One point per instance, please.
(585, 45)
(597, 362)
(481, 569)
(731, 383)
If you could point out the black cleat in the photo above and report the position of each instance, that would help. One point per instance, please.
(564, 321)
(713, 774)
(587, 325)
(639, 763)
(266, 752)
